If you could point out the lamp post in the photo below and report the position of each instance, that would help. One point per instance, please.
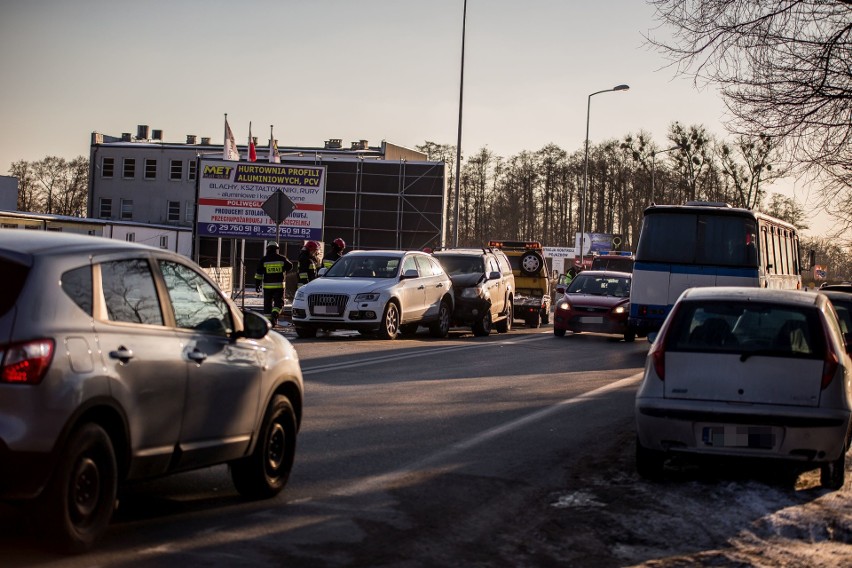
(458, 143)
(654, 167)
(586, 167)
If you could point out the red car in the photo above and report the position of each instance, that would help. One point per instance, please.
(598, 301)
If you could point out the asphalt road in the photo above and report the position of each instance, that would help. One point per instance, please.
(415, 452)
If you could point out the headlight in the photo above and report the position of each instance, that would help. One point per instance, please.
(474, 293)
(300, 295)
(367, 297)
(564, 306)
(620, 309)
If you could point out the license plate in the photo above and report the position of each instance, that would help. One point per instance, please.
(326, 310)
(760, 437)
(591, 319)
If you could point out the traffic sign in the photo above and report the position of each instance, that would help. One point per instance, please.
(278, 206)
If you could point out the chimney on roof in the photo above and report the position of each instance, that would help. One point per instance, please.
(157, 135)
(126, 137)
(360, 145)
(205, 141)
(142, 132)
(334, 143)
(191, 139)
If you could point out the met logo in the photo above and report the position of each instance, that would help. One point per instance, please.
(217, 171)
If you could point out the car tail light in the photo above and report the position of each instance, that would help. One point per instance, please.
(829, 367)
(658, 357)
(26, 363)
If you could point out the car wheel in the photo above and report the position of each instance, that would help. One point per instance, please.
(505, 325)
(482, 327)
(545, 317)
(531, 263)
(441, 327)
(558, 332)
(390, 322)
(77, 505)
(264, 473)
(649, 463)
(832, 475)
(630, 335)
(534, 321)
(306, 332)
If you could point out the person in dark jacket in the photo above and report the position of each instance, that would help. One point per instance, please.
(309, 262)
(270, 276)
(337, 248)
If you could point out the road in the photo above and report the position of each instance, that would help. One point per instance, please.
(510, 450)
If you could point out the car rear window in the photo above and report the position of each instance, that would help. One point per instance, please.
(14, 276)
(747, 328)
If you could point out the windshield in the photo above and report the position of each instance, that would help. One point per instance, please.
(693, 238)
(363, 266)
(461, 264)
(599, 285)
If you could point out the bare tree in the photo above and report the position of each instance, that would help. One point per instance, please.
(786, 209)
(28, 195)
(53, 185)
(748, 165)
(784, 69)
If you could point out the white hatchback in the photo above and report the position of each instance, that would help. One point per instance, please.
(748, 372)
(381, 292)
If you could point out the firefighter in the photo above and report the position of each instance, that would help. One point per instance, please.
(309, 262)
(270, 276)
(337, 248)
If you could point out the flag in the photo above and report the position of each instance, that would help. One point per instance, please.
(229, 149)
(274, 156)
(252, 153)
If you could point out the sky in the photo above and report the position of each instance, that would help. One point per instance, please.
(318, 69)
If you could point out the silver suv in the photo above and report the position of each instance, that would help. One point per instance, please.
(122, 362)
(484, 288)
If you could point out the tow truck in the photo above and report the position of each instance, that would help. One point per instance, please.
(532, 281)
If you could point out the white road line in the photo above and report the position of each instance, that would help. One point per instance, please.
(423, 353)
(387, 480)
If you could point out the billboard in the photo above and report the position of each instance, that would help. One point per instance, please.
(231, 197)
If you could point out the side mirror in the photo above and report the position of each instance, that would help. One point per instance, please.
(811, 259)
(494, 275)
(652, 337)
(847, 338)
(255, 326)
(322, 271)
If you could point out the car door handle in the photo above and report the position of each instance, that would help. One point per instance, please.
(441, 285)
(123, 354)
(421, 287)
(197, 356)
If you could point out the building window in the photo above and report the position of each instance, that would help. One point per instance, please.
(164, 241)
(105, 208)
(107, 167)
(191, 174)
(130, 237)
(129, 167)
(189, 212)
(150, 169)
(9, 226)
(174, 210)
(126, 209)
(176, 170)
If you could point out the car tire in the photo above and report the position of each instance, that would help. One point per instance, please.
(558, 332)
(76, 507)
(505, 325)
(832, 475)
(306, 332)
(531, 263)
(482, 327)
(649, 463)
(534, 321)
(441, 327)
(630, 335)
(390, 322)
(265, 472)
(545, 316)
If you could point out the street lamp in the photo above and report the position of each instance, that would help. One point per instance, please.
(586, 167)
(458, 143)
(654, 166)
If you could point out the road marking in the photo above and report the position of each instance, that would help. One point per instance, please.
(386, 480)
(423, 353)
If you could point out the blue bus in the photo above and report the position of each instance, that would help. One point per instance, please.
(707, 244)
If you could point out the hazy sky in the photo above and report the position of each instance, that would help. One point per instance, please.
(319, 69)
